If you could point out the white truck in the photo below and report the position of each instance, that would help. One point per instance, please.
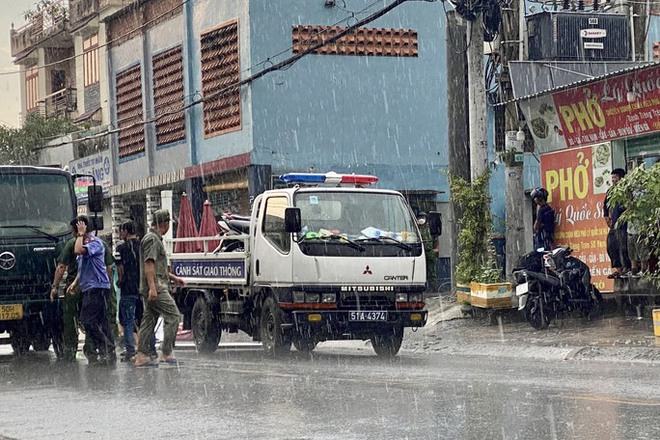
(320, 261)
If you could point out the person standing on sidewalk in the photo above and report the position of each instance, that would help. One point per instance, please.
(617, 237)
(95, 285)
(544, 226)
(154, 287)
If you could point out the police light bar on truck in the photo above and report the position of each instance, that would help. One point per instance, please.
(330, 178)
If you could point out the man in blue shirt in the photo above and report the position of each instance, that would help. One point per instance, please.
(95, 286)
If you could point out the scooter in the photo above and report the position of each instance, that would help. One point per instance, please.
(552, 285)
(232, 224)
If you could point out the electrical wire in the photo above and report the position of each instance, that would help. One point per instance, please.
(229, 88)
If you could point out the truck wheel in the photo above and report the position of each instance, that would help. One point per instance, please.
(205, 328)
(304, 345)
(19, 343)
(272, 337)
(388, 342)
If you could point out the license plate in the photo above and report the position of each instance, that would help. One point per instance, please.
(11, 312)
(367, 316)
(522, 289)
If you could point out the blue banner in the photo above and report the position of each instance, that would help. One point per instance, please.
(232, 269)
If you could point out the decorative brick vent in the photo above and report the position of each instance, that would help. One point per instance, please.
(220, 74)
(361, 42)
(129, 111)
(168, 96)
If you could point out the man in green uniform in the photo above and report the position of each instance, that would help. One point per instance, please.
(66, 263)
(154, 288)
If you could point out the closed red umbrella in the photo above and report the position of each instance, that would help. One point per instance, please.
(186, 228)
(209, 227)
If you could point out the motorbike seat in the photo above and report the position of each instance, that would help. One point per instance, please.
(240, 226)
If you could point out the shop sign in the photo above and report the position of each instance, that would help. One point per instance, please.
(593, 45)
(98, 165)
(618, 107)
(593, 33)
(577, 181)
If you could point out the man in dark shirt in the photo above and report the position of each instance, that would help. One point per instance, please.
(617, 237)
(128, 269)
(66, 263)
(544, 226)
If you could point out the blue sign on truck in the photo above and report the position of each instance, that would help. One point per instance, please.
(232, 269)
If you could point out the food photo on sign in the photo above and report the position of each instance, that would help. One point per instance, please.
(571, 178)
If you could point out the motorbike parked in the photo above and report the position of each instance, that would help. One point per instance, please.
(231, 225)
(552, 285)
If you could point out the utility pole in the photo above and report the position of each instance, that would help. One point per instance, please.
(511, 48)
(477, 98)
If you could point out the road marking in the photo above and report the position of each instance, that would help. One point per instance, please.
(600, 398)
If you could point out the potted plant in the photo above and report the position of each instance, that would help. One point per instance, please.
(478, 275)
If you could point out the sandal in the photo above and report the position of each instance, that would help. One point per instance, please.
(171, 361)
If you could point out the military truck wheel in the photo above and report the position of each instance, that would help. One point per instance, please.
(205, 327)
(19, 343)
(305, 345)
(387, 343)
(273, 338)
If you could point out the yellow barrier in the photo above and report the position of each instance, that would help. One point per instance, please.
(656, 322)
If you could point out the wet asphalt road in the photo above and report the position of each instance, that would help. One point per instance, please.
(336, 393)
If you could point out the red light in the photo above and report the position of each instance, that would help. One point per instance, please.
(358, 179)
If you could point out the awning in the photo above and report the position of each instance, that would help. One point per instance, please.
(87, 115)
(530, 79)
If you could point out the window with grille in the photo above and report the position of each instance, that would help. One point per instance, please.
(364, 41)
(220, 78)
(129, 111)
(656, 51)
(168, 96)
(31, 88)
(91, 60)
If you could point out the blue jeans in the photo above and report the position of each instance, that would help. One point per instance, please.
(131, 310)
(127, 306)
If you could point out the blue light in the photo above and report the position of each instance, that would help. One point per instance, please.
(302, 178)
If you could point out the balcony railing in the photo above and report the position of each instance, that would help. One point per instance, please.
(82, 10)
(42, 25)
(58, 104)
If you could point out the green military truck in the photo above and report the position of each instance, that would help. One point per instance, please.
(36, 206)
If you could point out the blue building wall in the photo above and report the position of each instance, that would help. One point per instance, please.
(380, 115)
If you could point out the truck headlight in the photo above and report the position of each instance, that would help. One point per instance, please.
(401, 297)
(329, 298)
(313, 297)
(416, 297)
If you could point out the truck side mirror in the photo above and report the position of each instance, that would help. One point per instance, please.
(292, 220)
(435, 223)
(95, 198)
(97, 223)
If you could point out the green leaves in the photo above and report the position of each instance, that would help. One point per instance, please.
(639, 192)
(476, 258)
(20, 146)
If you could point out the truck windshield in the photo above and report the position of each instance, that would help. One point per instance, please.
(35, 205)
(356, 223)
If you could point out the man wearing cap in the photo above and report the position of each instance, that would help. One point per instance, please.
(94, 283)
(154, 287)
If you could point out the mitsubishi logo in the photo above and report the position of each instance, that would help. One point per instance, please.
(7, 260)
(367, 271)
